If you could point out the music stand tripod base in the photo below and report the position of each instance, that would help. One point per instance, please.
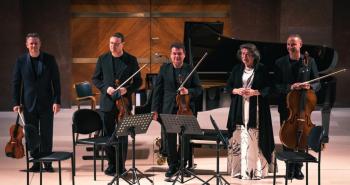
(132, 125)
(220, 138)
(181, 124)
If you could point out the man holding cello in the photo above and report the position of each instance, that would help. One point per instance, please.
(166, 100)
(290, 73)
(111, 66)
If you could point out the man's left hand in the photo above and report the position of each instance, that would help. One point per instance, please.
(56, 108)
(183, 91)
(123, 91)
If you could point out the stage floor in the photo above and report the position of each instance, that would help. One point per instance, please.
(335, 168)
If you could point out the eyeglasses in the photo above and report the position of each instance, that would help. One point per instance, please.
(116, 44)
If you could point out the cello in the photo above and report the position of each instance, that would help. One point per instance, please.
(293, 133)
(300, 103)
(14, 148)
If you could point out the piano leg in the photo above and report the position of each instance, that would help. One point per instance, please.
(326, 114)
(329, 99)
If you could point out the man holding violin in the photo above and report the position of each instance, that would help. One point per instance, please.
(37, 91)
(111, 66)
(291, 70)
(166, 90)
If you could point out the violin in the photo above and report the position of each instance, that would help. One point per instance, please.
(122, 105)
(183, 102)
(14, 148)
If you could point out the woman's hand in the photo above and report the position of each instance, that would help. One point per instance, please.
(239, 91)
(250, 92)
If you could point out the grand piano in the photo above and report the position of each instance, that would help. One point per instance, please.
(201, 37)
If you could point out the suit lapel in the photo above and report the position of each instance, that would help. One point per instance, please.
(170, 74)
(40, 65)
(29, 67)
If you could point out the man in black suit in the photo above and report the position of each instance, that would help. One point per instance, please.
(111, 66)
(290, 72)
(164, 95)
(36, 87)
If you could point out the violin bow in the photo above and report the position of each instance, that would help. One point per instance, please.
(121, 85)
(189, 75)
(325, 76)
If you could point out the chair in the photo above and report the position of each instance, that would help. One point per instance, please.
(84, 93)
(87, 121)
(314, 142)
(55, 156)
(146, 95)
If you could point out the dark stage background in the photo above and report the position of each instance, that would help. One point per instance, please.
(69, 36)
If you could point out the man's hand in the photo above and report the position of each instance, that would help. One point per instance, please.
(123, 91)
(183, 91)
(299, 86)
(110, 91)
(56, 108)
(17, 108)
(155, 116)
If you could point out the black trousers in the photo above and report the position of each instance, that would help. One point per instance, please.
(43, 122)
(109, 125)
(170, 148)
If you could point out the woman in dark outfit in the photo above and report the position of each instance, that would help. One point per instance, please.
(251, 143)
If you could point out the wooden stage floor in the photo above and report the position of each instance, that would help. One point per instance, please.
(335, 167)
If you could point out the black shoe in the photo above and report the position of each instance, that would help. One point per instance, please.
(299, 175)
(186, 174)
(35, 168)
(171, 171)
(49, 168)
(290, 176)
(121, 172)
(110, 171)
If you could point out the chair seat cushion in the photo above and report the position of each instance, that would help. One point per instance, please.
(55, 156)
(94, 140)
(295, 156)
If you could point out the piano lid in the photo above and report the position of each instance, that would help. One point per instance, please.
(200, 37)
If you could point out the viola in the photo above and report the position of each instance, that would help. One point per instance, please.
(123, 106)
(14, 148)
(123, 103)
(183, 102)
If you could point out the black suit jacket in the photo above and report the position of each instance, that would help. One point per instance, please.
(40, 90)
(103, 77)
(165, 90)
(284, 79)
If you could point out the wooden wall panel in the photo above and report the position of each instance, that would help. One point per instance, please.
(150, 26)
(110, 5)
(190, 5)
(90, 36)
(169, 30)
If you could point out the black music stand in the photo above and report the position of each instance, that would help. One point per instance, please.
(183, 125)
(132, 125)
(220, 138)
